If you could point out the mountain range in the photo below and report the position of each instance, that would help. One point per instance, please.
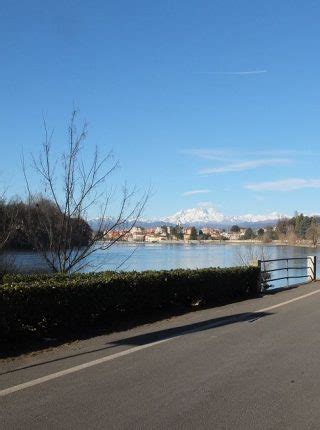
(210, 217)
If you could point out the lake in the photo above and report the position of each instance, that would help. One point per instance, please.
(144, 256)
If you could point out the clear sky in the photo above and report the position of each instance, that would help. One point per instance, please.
(211, 102)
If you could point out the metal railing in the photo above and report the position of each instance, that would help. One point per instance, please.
(266, 277)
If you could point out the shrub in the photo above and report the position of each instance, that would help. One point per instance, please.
(51, 305)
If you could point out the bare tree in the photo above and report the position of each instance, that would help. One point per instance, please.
(6, 224)
(291, 235)
(8, 220)
(313, 233)
(250, 256)
(71, 189)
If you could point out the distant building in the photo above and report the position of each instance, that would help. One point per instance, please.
(111, 235)
(213, 233)
(160, 230)
(137, 234)
(137, 230)
(149, 230)
(225, 235)
(150, 238)
(187, 233)
(237, 235)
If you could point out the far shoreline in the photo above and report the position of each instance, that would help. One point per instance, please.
(222, 242)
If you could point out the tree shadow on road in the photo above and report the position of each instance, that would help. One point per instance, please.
(156, 336)
(191, 328)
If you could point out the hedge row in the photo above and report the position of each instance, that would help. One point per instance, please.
(54, 306)
(16, 278)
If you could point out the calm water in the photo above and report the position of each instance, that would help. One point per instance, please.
(125, 256)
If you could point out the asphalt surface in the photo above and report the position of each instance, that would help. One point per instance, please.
(249, 365)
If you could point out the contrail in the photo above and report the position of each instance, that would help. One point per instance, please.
(244, 72)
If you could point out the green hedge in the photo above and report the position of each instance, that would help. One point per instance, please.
(16, 278)
(60, 304)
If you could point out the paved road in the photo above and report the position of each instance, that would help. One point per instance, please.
(249, 365)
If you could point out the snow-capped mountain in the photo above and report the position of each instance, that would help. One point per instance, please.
(212, 216)
(203, 216)
(193, 215)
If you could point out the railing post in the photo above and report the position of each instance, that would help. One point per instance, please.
(257, 263)
(312, 267)
(259, 288)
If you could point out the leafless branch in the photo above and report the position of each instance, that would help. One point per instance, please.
(71, 189)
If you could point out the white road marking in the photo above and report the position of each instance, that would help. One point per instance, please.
(286, 302)
(79, 367)
(74, 369)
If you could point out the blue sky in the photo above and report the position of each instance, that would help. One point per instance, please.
(212, 102)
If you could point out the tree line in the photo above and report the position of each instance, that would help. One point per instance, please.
(290, 230)
(299, 227)
(37, 225)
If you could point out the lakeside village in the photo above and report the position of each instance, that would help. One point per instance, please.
(187, 234)
(298, 230)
